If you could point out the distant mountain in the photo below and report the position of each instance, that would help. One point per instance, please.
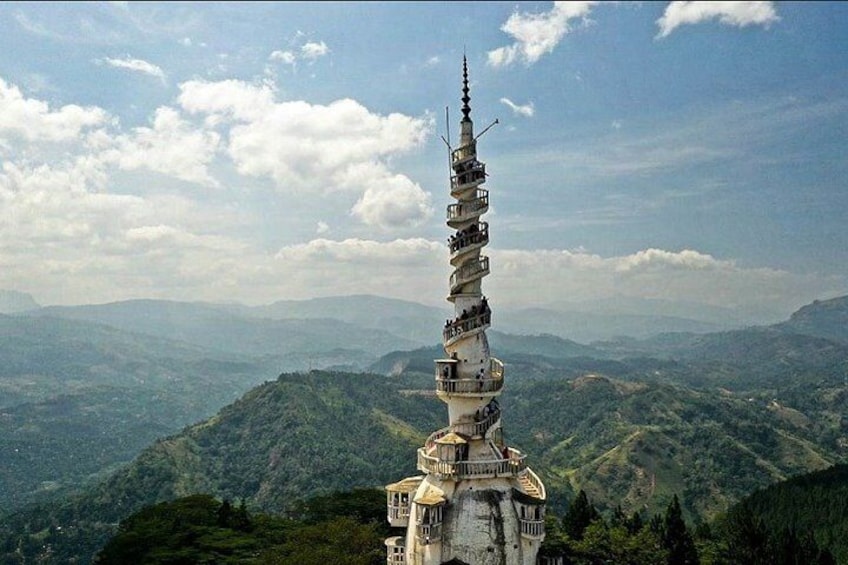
(223, 329)
(78, 398)
(586, 327)
(409, 320)
(12, 301)
(822, 318)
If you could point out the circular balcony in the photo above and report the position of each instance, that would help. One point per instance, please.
(464, 153)
(469, 272)
(512, 466)
(461, 212)
(468, 327)
(472, 429)
(466, 241)
(473, 176)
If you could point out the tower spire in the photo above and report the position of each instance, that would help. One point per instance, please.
(466, 109)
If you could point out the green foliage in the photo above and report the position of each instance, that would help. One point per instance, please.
(806, 515)
(199, 529)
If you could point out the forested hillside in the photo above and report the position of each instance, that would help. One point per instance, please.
(77, 399)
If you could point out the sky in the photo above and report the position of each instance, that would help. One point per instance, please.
(254, 152)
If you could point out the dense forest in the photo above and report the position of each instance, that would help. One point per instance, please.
(347, 528)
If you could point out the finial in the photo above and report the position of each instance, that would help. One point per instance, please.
(466, 109)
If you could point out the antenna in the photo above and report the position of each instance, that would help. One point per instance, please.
(479, 135)
(447, 141)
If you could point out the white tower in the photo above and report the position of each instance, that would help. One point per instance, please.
(478, 502)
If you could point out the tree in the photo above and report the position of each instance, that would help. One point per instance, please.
(580, 515)
(676, 537)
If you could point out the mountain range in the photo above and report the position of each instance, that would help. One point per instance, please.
(709, 417)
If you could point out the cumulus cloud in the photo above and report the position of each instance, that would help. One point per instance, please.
(526, 110)
(312, 50)
(172, 146)
(389, 200)
(34, 120)
(318, 148)
(739, 14)
(538, 34)
(136, 65)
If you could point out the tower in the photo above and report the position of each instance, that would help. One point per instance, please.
(477, 501)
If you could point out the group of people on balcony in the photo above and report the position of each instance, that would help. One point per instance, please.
(469, 236)
(469, 172)
(467, 321)
(487, 410)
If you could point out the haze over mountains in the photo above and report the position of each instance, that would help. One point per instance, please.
(83, 390)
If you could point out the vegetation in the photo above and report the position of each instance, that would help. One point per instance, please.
(201, 529)
(699, 421)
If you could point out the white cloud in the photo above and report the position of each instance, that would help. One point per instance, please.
(322, 228)
(687, 275)
(286, 57)
(34, 120)
(526, 110)
(389, 200)
(538, 34)
(739, 14)
(172, 146)
(432, 61)
(233, 98)
(312, 50)
(136, 65)
(317, 148)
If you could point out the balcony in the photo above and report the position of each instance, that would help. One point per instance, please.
(464, 153)
(395, 551)
(469, 272)
(467, 327)
(534, 529)
(512, 466)
(428, 533)
(468, 209)
(488, 383)
(474, 175)
(398, 501)
(469, 387)
(465, 240)
(471, 429)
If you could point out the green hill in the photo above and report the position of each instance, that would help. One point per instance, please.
(809, 503)
(77, 399)
(822, 318)
(624, 442)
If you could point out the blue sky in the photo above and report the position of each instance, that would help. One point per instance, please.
(688, 151)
